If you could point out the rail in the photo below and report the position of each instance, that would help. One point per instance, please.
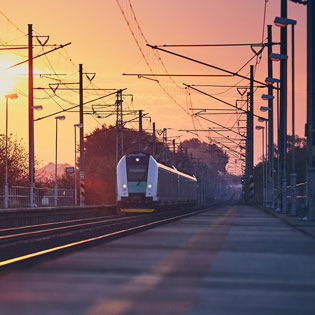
(49, 239)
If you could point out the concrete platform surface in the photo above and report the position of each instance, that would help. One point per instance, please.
(229, 260)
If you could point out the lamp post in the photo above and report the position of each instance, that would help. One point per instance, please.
(263, 160)
(75, 163)
(267, 166)
(271, 81)
(284, 22)
(56, 184)
(282, 135)
(6, 188)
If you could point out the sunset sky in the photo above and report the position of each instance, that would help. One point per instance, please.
(102, 42)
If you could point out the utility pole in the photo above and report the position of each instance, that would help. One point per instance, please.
(310, 131)
(246, 186)
(140, 129)
(154, 139)
(251, 135)
(283, 108)
(293, 173)
(164, 144)
(270, 176)
(82, 173)
(250, 141)
(30, 113)
(251, 122)
(119, 126)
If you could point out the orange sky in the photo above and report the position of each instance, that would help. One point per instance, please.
(102, 42)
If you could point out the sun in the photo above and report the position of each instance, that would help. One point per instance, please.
(9, 76)
(6, 86)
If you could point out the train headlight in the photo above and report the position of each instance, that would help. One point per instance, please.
(149, 186)
(137, 159)
(124, 186)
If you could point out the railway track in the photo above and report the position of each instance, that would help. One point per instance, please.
(24, 245)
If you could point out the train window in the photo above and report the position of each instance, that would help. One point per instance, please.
(137, 173)
(137, 167)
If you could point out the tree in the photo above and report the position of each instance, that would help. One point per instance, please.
(100, 159)
(17, 161)
(210, 154)
(300, 165)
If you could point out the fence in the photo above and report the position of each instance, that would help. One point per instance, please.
(301, 200)
(43, 197)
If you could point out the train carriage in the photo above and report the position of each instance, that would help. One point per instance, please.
(144, 185)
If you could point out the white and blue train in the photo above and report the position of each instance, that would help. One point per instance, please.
(144, 185)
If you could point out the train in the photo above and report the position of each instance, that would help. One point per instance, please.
(145, 185)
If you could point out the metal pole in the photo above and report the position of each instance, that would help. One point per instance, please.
(30, 113)
(246, 188)
(56, 185)
(283, 107)
(250, 129)
(82, 174)
(164, 144)
(263, 166)
(116, 155)
(6, 190)
(271, 182)
(293, 174)
(75, 168)
(278, 196)
(310, 110)
(153, 150)
(266, 165)
(140, 129)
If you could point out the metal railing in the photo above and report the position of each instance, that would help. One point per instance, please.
(301, 200)
(44, 197)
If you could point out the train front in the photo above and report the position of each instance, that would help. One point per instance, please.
(137, 183)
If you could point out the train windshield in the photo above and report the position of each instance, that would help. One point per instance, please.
(137, 168)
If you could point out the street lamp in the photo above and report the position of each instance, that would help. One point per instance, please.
(265, 108)
(75, 163)
(267, 164)
(271, 81)
(277, 57)
(283, 22)
(56, 185)
(266, 97)
(13, 96)
(263, 162)
(38, 107)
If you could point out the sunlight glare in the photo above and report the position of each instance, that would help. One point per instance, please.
(6, 87)
(9, 76)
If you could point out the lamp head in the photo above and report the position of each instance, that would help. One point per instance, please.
(265, 108)
(261, 119)
(61, 117)
(13, 96)
(271, 81)
(277, 57)
(267, 97)
(282, 22)
(38, 107)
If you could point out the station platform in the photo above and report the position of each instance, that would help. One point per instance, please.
(233, 259)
